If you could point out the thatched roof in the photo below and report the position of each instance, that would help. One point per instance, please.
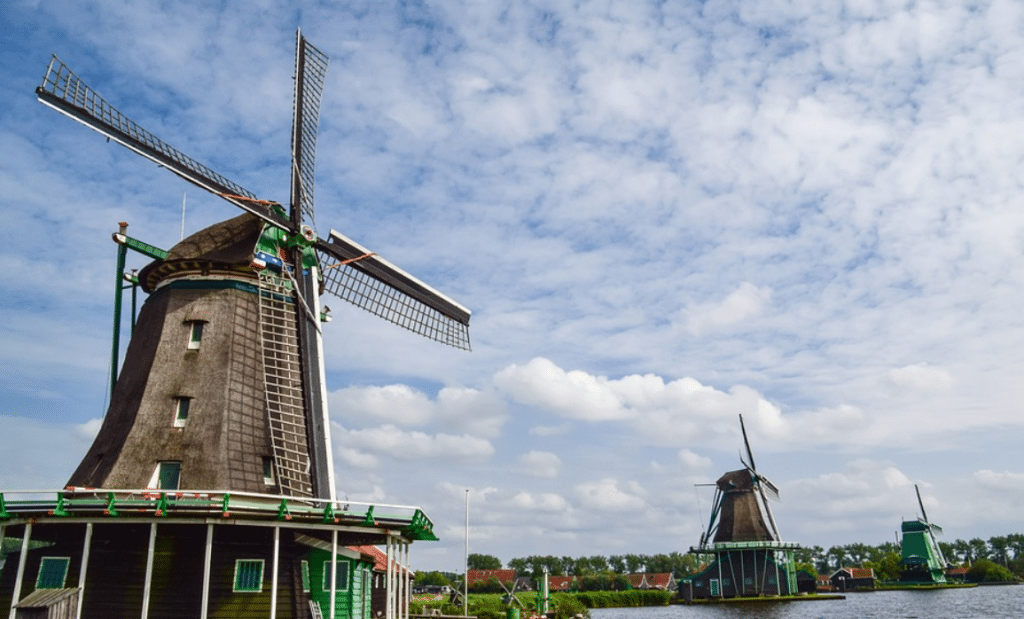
(228, 245)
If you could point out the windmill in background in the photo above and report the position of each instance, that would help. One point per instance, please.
(210, 487)
(921, 556)
(742, 549)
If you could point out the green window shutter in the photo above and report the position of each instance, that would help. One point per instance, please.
(52, 572)
(248, 576)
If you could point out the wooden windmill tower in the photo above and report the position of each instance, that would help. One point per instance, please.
(742, 547)
(219, 415)
(922, 560)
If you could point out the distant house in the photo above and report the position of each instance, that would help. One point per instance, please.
(502, 576)
(852, 578)
(805, 582)
(822, 582)
(523, 583)
(957, 574)
(662, 581)
(378, 583)
(562, 583)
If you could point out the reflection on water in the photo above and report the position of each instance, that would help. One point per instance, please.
(978, 603)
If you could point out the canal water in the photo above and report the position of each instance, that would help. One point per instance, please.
(975, 603)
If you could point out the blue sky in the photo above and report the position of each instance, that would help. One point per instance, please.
(661, 214)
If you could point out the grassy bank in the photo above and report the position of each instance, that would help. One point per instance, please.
(564, 605)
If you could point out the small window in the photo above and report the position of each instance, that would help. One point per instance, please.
(341, 581)
(195, 334)
(306, 587)
(268, 470)
(181, 406)
(52, 572)
(248, 576)
(167, 476)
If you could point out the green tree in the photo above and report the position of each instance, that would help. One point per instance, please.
(617, 563)
(483, 562)
(888, 568)
(984, 570)
(431, 578)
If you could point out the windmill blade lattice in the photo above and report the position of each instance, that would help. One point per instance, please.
(379, 287)
(310, 72)
(65, 92)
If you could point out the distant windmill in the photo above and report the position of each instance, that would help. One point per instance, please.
(747, 555)
(741, 512)
(209, 491)
(921, 556)
(264, 340)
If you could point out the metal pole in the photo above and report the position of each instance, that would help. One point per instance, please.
(465, 585)
(147, 588)
(334, 572)
(86, 545)
(206, 570)
(135, 300)
(16, 595)
(115, 349)
(273, 578)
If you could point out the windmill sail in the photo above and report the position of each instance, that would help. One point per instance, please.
(63, 91)
(310, 72)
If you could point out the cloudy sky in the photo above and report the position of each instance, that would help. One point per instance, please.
(662, 214)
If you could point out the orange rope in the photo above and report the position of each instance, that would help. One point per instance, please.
(256, 200)
(349, 261)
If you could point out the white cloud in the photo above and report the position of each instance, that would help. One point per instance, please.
(540, 463)
(606, 495)
(920, 376)
(741, 305)
(403, 445)
(692, 461)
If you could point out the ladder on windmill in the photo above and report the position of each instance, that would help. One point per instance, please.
(283, 386)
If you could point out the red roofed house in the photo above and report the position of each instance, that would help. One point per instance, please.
(662, 581)
(561, 583)
(850, 578)
(378, 589)
(502, 576)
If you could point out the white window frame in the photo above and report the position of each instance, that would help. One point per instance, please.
(268, 470)
(154, 481)
(238, 565)
(195, 333)
(179, 402)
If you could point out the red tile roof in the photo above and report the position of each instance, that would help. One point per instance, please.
(560, 583)
(857, 572)
(481, 575)
(380, 558)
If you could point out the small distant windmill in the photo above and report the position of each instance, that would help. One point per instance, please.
(275, 262)
(922, 558)
(209, 491)
(741, 512)
(747, 555)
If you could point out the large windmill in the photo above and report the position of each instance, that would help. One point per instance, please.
(922, 560)
(744, 553)
(278, 251)
(209, 490)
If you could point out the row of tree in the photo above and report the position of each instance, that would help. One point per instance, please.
(1004, 550)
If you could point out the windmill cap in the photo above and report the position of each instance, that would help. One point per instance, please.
(225, 246)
